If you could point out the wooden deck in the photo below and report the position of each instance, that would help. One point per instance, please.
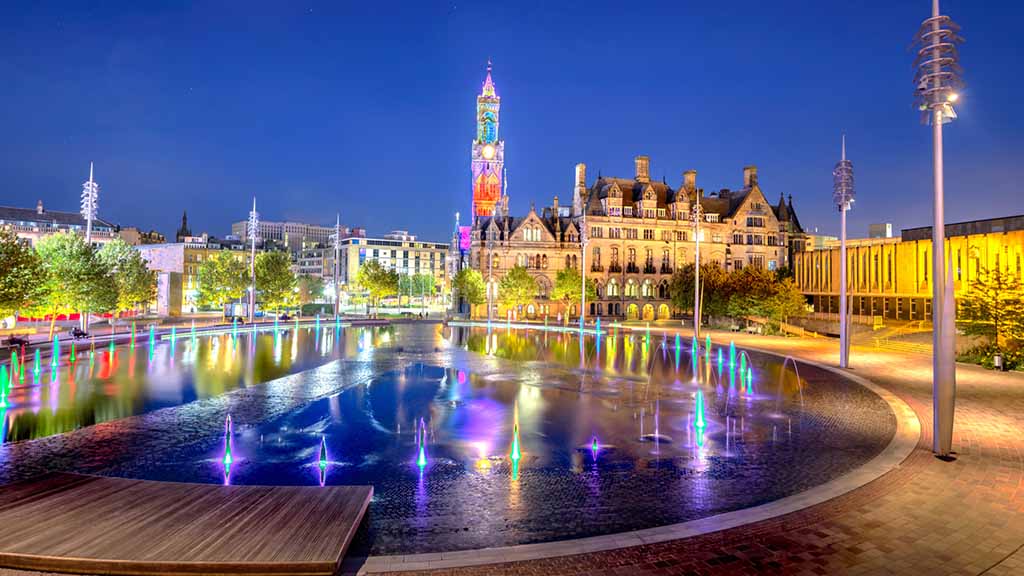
(97, 525)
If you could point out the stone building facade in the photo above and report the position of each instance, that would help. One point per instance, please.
(637, 233)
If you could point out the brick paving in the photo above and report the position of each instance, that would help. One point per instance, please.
(926, 517)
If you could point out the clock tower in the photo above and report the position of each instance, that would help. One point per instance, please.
(488, 151)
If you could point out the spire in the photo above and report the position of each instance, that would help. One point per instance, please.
(488, 83)
(844, 145)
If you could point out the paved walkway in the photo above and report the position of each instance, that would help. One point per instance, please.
(927, 517)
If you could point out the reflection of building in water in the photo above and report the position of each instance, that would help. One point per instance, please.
(891, 277)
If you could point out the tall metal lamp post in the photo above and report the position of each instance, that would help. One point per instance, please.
(336, 239)
(843, 195)
(254, 223)
(90, 204)
(698, 215)
(583, 269)
(937, 79)
(490, 265)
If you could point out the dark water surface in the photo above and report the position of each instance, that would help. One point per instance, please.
(619, 434)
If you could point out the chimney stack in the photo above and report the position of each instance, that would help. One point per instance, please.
(690, 180)
(749, 176)
(580, 190)
(643, 169)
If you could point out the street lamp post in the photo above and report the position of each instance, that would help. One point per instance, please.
(937, 79)
(254, 223)
(843, 195)
(90, 204)
(583, 268)
(698, 215)
(336, 238)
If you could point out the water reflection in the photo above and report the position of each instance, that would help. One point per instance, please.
(134, 379)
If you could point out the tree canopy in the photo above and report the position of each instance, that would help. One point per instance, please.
(568, 285)
(994, 307)
(469, 284)
(75, 279)
(275, 281)
(377, 281)
(22, 280)
(311, 288)
(517, 288)
(135, 282)
(222, 278)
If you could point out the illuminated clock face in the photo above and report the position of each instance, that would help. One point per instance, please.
(488, 152)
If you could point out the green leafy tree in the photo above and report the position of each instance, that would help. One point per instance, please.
(785, 302)
(716, 289)
(377, 281)
(568, 284)
(22, 283)
(135, 282)
(469, 285)
(994, 307)
(222, 278)
(517, 288)
(74, 279)
(311, 288)
(275, 280)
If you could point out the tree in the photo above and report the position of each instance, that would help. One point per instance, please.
(135, 282)
(311, 288)
(469, 285)
(222, 278)
(74, 278)
(275, 281)
(994, 307)
(21, 275)
(567, 287)
(716, 289)
(377, 281)
(785, 302)
(517, 288)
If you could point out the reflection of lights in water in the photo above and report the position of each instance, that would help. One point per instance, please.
(699, 421)
(3, 387)
(35, 365)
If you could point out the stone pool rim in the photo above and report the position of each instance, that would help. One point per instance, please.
(905, 438)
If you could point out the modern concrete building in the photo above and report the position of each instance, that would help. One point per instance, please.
(892, 277)
(295, 236)
(404, 254)
(177, 266)
(882, 230)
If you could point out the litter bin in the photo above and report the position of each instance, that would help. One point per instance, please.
(997, 362)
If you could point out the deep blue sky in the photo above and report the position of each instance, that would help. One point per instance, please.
(368, 107)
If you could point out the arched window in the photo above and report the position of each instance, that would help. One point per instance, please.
(544, 262)
(613, 288)
(646, 289)
(631, 288)
(521, 260)
(496, 261)
(615, 255)
(568, 261)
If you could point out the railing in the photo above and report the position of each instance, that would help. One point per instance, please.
(649, 269)
(666, 269)
(632, 268)
(596, 268)
(616, 268)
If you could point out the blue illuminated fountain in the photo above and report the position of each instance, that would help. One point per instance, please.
(36, 365)
(228, 459)
(3, 386)
(421, 440)
(322, 461)
(55, 353)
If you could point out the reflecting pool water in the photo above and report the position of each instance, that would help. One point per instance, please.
(474, 438)
(98, 383)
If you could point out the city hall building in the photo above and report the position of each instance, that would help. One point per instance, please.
(636, 231)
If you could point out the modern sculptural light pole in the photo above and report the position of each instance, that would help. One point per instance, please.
(336, 239)
(843, 196)
(90, 204)
(937, 79)
(254, 223)
(698, 215)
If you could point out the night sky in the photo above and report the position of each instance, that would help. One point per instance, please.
(368, 108)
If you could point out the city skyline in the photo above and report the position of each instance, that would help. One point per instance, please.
(168, 135)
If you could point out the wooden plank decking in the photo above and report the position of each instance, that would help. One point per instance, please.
(97, 525)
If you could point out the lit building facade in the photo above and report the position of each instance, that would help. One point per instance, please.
(293, 235)
(488, 152)
(892, 277)
(638, 232)
(177, 267)
(400, 252)
(134, 236)
(32, 225)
